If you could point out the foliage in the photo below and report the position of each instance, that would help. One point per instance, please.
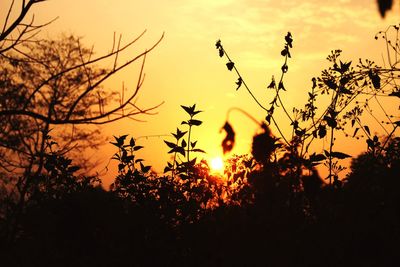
(184, 147)
(53, 85)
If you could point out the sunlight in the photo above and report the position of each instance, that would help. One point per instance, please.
(217, 164)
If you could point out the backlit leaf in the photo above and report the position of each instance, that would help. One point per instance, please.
(239, 83)
(169, 144)
(339, 155)
(230, 65)
(367, 129)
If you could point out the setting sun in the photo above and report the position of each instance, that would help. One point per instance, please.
(217, 164)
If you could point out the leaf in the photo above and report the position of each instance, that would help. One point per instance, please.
(179, 150)
(272, 84)
(198, 150)
(395, 94)
(300, 132)
(281, 86)
(179, 134)
(195, 122)
(132, 142)
(73, 169)
(167, 169)
(229, 140)
(230, 65)
(221, 52)
(314, 82)
(184, 144)
(376, 80)
(121, 166)
(330, 121)
(169, 144)
(355, 132)
(193, 144)
(136, 148)
(218, 44)
(239, 83)
(367, 129)
(189, 110)
(268, 118)
(139, 160)
(285, 68)
(317, 157)
(144, 168)
(344, 66)
(129, 158)
(120, 140)
(330, 83)
(289, 39)
(339, 155)
(397, 123)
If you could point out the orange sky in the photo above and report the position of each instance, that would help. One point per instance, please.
(185, 68)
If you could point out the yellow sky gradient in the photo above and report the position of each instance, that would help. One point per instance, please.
(185, 68)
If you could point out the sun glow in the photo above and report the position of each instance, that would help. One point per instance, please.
(217, 164)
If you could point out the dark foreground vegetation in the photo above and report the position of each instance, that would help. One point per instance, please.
(269, 208)
(263, 215)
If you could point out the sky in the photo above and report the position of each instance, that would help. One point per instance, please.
(185, 68)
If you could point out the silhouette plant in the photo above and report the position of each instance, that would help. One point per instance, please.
(343, 86)
(184, 147)
(132, 173)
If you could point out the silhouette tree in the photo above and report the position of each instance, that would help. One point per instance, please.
(53, 86)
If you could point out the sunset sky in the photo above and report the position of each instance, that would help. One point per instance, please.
(185, 68)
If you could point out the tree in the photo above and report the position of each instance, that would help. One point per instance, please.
(51, 87)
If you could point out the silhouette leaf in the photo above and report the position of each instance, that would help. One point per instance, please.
(189, 110)
(339, 155)
(289, 39)
(395, 94)
(230, 65)
(169, 144)
(195, 122)
(317, 157)
(144, 168)
(132, 142)
(179, 134)
(137, 148)
(272, 84)
(376, 80)
(281, 86)
(355, 131)
(218, 44)
(367, 129)
(239, 83)
(285, 68)
(198, 150)
(314, 83)
(330, 121)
